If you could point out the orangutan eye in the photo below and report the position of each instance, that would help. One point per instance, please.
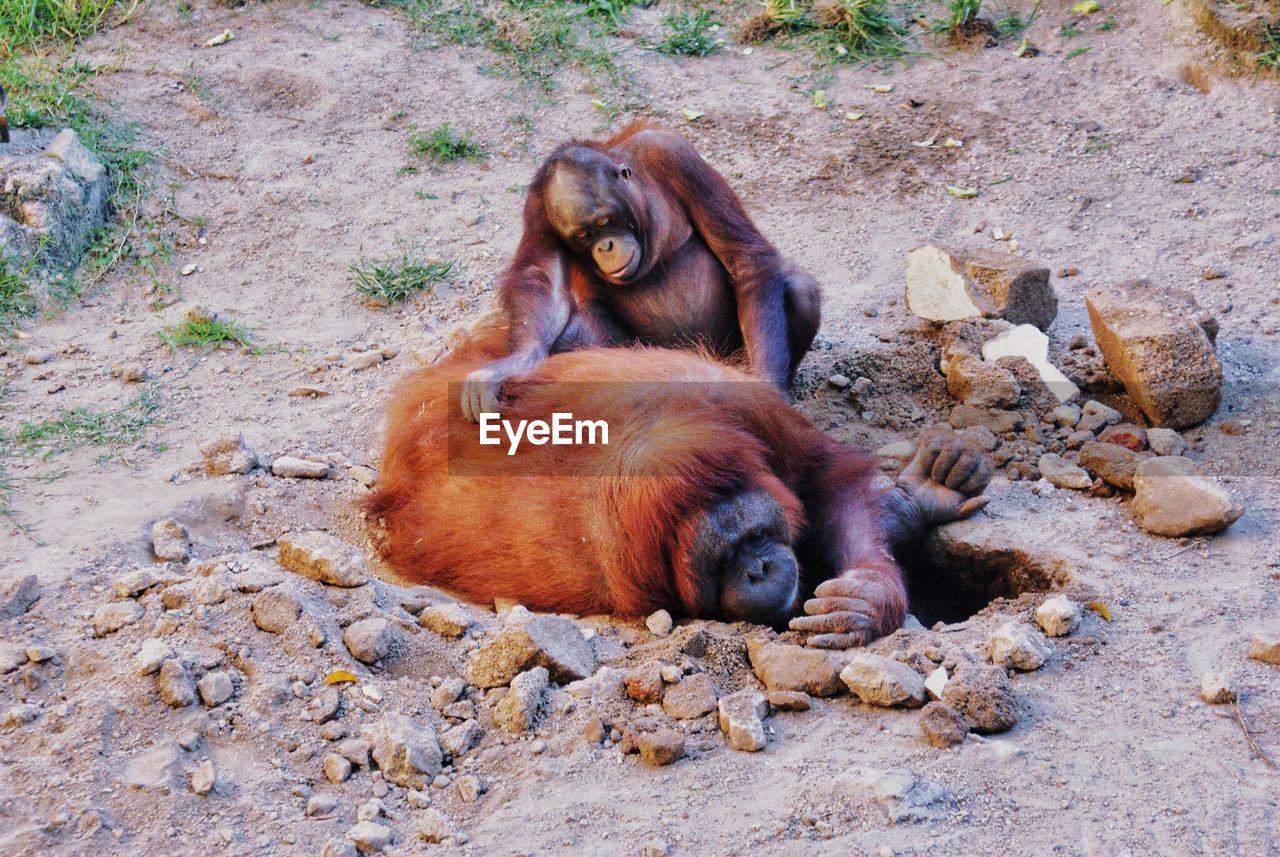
(602, 221)
(624, 172)
(581, 235)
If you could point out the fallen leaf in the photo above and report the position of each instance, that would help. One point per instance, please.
(962, 192)
(692, 115)
(340, 676)
(1086, 7)
(925, 144)
(220, 39)
(1100, 608)
(854, 117)
(820, 99)
(879, 87)
(952, 143)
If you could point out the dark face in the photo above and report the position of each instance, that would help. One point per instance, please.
(744, 543)
(589, 202)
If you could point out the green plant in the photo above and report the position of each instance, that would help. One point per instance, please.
(443, 145)
(1096, 144)
(961, 14)
(1013, 24)
(611, 13)
(386, 281)
(688, 34)
(1269, 57)
(1109, 24)
(84, 427)
(860, 30)
(1078, 52)
(203, 332)
(16, 297)
(1067, 32)
(38, 23)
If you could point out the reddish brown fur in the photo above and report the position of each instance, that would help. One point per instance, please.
(613, 544)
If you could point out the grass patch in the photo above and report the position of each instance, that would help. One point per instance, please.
(961, 14)
(204, 332)
(689, 34)
(1078, 52)
(84, 427)
(38, 23)
(1096, 144)
(1268, 59)
(386, 281)
(443, 145)
(837, 30)
(16, 297)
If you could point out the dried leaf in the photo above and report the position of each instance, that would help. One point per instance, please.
(962, 192)
(1100, 608)
(1086, 7)
(925, 144)
(1021, 49)
(692, 115)
(879, 87)
(340, 676)
(952, 143)
(220, 39)
(820, 99)
(854, 117)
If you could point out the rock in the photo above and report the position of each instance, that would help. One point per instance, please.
(945, 284)
(114, 615)
(369, 837)
(1266, 648)
(134, 583)
(1063, 473)
(433, 826)
(38, 356)
(943, 726)
(322, 557)
(1030, 344)
(228, 453)
(461, 738)
(659, 623)
(469, 788)
(661, 747)
(157, 767)
(338, 848)
(789, 700)
(53, 200)
(275, 612)
(203, 778)
(407, 752)
(19, 715)
(655, 848)
(337, 769)
(1154, 346)
(151, 655)
(321, 806)
(292, 467)
(644, 683)
(935, 682)
(1217, 689)
(901, 450)
(216, 688)
(175, 686)
(992, 419)
(1165, 441)
(1172, 497)
(1065, 416)
(324, 705)
(355, 750)
(17, 594)
(878, 680)
(363, 360)
(447, 693)
(370, 640)
(1113, 464)
(671, 674)
(518, 711)
(41, 654)
(782, 666)
(169, 540)
(982, 695)
(741, 717)
(1095, 416)
(594, 731)
(552, 642)
(447, 620)
(1127, 435)
(976, 382)
(1058, 616)
(1019, 646)
(693, 697)
(12, 657)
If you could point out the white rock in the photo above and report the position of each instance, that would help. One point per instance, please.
(1028, 342)
(292, 467)
(113, 616)
(151, 654)
(1063, 473)
(1019, 646)
(1217, 689)
(879, 680)
(369, 836)
(203, 778)
(1058, 616)
(659, 623)
(169, 540)
(741, 717)
(935, 682)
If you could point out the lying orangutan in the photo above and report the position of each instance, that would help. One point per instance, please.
(711, 498)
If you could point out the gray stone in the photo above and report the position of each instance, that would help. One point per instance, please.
(369, 837)
(983, 696)
(997, 421)
(942, 726)
(228, 453)
(782, 666)
(322, 557)
(1019, 646)
(693, 697)
(1165, 441)
(447, 620)
(407, 752)
(321, 806)
(203, 778)
(17, 595)
(1217, 688)
(1063, 473)
(461, 738)
(531, 641)
(469, 788)
(1110, 462)
(293, 467)
(742, 716)
(1095, 416)
(114, 615)
(790, 700)
(176, 688)
(337, 769)
(169, 541)
(519, 709)
(433, 826)
(659, 623)
(324, 706)
(1173, 497)
(216, 688)
(370, 640)
(355, 750)
(151, 654)
(878, 680)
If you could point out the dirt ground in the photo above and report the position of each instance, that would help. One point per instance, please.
(293, 170)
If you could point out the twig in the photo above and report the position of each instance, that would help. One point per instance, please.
(1194, 544)
(1253, 745)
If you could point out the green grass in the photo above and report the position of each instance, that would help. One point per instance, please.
(79, 427)
(443, 145)
(1078, 52)
(204, 333)
(961, 14)
(30, 24)
(861, 31)
(1268, 59)
(1096, 144)
(386, 281)
(689, 34)
(1067, 32)
(16, 297)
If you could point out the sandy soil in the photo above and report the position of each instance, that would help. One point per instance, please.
(294, 172)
